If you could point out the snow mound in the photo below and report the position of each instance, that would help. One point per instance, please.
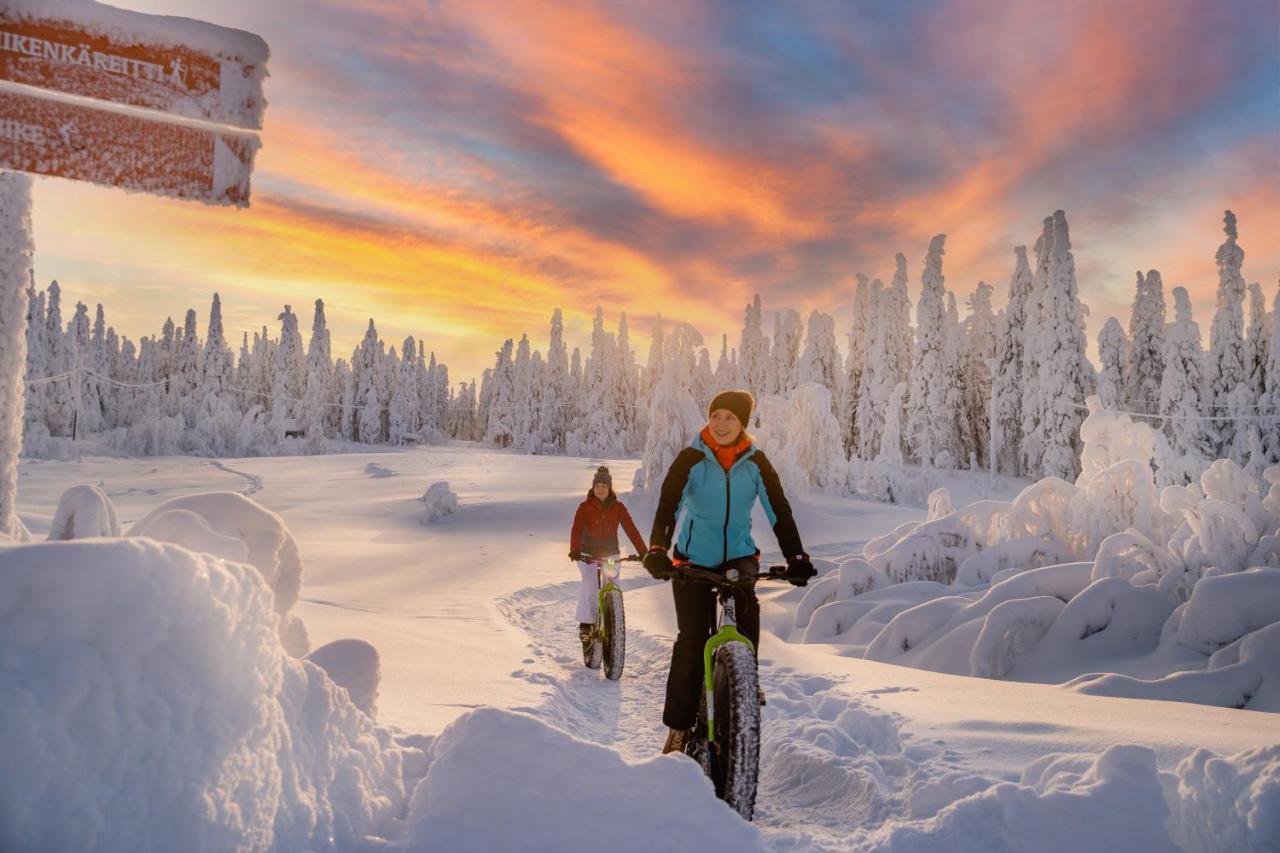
(191, 531)
(146, 703)
(83, 511)
(271, 548)
(500, 780)
(440, 501)
(353, 665)
(373, 469)
(1115, 802)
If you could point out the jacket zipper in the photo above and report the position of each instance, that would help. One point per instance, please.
(728, 493)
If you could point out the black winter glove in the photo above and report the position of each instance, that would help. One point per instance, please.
(800, 569)
(576, 556)
(658, 564)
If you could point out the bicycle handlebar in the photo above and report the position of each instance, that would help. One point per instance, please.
(633, 558)
(705, 575)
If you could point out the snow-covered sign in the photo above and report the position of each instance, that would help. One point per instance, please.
(174, 65)
(121, 149)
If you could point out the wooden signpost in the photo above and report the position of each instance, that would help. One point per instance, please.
(90, 92)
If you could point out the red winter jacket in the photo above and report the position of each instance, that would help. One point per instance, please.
(595, 527)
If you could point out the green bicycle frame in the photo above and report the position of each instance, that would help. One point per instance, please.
(604, 590)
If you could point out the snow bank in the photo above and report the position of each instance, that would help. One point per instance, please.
(500, 780)
(146, 703)
(440, 501)
(83, 511)
(1224, 608)
(1117, 801)
(268, 546)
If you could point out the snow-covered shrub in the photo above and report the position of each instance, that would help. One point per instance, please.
(1011, 629)
(1021, 554)
(939, 505)
(857, 621)
(851, 578)
(83, 511)
(270, 547)
(373, 469)
(354, 666)
(1224, 608)
(440, 501)
(146, 703)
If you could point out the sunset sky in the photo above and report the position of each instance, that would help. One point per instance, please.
(457, 170)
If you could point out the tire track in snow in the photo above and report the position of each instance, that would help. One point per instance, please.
(254, 481)
(833, 768)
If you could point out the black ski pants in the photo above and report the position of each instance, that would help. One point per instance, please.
(695, 623)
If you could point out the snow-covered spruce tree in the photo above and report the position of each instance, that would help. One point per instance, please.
(344, 377)
(753, 351)
(820, 362)
(930, 425)
(500, 429)
(674, 416)
(365, 367)
(524, 417)
(1182, 395)
(1226, 374)
(184, 377)
(788, 332)
(88, 412)
(979, 355)
(59, 394)
(726, 375)
(861, 334)
(629, 387)
(1269, 403)
(405, 414)
(1113, 355)
(602, 431)
(964, 444)
(1031, 446)
(465, 424)
(1257, 343)
(318, 391)
(1064, 383)
(96, 402)
(1145, 365)
(704, 380)
(216, 366)
(557, 404)
(35, 429)
(260, 369)
(287, 374)
(888, 359)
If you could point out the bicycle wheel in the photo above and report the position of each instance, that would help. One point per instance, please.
(614, 621)
(735, 754)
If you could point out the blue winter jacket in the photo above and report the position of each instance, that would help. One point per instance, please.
(716, 526)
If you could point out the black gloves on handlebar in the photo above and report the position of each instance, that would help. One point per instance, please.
(577, 556)
(800, 569)
(659, 565)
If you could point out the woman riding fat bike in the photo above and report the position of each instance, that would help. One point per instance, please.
(716, 480)
(595, 537)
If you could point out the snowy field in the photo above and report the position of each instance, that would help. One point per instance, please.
(474, 609)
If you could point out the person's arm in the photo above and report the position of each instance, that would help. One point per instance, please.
(777, 507)
(633, 533)
(575, 534)
(664, 520)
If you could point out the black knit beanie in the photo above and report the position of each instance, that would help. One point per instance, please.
(603, 476)
(741, 403)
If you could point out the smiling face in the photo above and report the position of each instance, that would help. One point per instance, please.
(600, 490)
(725, 427)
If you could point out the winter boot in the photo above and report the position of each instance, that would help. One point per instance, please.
(677, 739)
(584, 634)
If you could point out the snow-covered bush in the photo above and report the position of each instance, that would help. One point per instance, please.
(147, 703)
(83, 511)
(440, 501)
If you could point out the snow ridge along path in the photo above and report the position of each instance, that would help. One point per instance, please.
(830, 762)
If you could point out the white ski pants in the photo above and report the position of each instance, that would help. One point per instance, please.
(589, 592)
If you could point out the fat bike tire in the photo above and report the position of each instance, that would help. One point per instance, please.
(613, 619)
(735, 753)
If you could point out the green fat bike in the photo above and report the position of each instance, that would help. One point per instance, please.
(726, 736)
(609, 636)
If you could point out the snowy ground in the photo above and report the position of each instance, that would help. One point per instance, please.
(475, 609)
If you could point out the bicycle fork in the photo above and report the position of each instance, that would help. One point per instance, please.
(728, 633)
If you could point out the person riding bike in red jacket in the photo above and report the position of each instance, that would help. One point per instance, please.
(595, 536)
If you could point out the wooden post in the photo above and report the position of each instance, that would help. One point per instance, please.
(16, 252)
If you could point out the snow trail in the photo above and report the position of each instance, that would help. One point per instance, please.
(253, 480)
(831, 765)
